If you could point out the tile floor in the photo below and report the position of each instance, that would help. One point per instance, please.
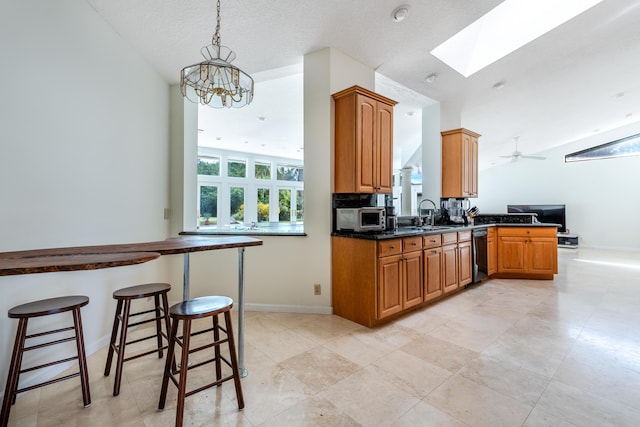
(502, 353)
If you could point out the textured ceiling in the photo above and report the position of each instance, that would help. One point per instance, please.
(560, 87)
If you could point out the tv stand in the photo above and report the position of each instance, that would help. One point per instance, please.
(566, 240)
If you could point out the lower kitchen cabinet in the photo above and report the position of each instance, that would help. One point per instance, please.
(373, 280)
(456, 254)
(399, 275)
(527, 252)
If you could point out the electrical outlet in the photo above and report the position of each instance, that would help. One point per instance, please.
(166, 213)
(317, 290)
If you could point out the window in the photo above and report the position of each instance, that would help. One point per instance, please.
(209, 166)
(284, 206)
(263, 170)
(299, 205)
(237, 204)
(243, 191)
(629, 146)
(290, 173)
(237, 168)
(263, 204)
(208, 205)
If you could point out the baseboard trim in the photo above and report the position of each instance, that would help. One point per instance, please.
(276, 308)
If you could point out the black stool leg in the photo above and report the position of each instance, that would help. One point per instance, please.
(234, 359)
(156, 300)
(167, 323)
(82, 357)
(184, 367)
(216, 338)
(14, 372)
(112, 342)
(121, 347)
(170, 362)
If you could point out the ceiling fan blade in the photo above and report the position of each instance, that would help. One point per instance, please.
(506, 157)
(533, 157)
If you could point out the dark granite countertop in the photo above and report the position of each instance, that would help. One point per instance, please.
(416, 231)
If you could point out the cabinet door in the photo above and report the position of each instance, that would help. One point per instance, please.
(466, 165)
(450, 268)
(389, 286)
(464, 263)
(433, 264)
(366, 145)
(473, 167)
(512, 254)
(492, 256)
(384, 151)
(412, 278)
(543, 256)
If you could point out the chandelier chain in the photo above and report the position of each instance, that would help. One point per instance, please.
(216, 36)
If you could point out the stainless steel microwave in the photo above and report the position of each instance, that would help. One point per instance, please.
(360, 219)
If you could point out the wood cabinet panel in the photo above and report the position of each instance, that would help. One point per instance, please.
(432, 270)
(464, 263)
(389, 285)
(450, 268)
(412, 279)
(432, 241)
(389, 247)
(459, 163)
(410, 244)
(363, 141)
(528, 252)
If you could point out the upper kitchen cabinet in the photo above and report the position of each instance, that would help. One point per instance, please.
(363, 141)
(459, 163)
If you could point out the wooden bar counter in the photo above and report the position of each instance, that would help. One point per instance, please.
(106, 256)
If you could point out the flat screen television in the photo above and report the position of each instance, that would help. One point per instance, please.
(554, 214)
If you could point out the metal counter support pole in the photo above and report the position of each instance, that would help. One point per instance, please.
(243, 371)
(185, 277)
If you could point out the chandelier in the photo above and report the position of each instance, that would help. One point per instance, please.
(215, 82)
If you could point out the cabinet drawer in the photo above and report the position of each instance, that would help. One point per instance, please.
(410, 244)
(491, 232)
(432, 241)
(449, 238)
(389, 247)
(527, 231)
(464, 236)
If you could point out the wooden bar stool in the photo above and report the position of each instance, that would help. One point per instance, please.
(124, 297)
(187, 311)
(40, 308)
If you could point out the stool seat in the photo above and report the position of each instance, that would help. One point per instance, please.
(141, 291)
(49, 306)
(187, 312)
(117, 345)
(201, 307)
(40, 308)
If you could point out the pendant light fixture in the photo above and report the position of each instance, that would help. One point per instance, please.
(215, 82)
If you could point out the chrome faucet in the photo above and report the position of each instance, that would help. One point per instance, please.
(433, 214)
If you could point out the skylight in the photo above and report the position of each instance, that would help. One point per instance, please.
(507, 27)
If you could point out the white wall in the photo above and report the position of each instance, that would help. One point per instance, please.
(83, 155)
(601, 195)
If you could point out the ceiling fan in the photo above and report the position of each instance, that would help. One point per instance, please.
(518, 154)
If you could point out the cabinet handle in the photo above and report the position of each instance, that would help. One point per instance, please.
(414, 244)
(392, 247)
